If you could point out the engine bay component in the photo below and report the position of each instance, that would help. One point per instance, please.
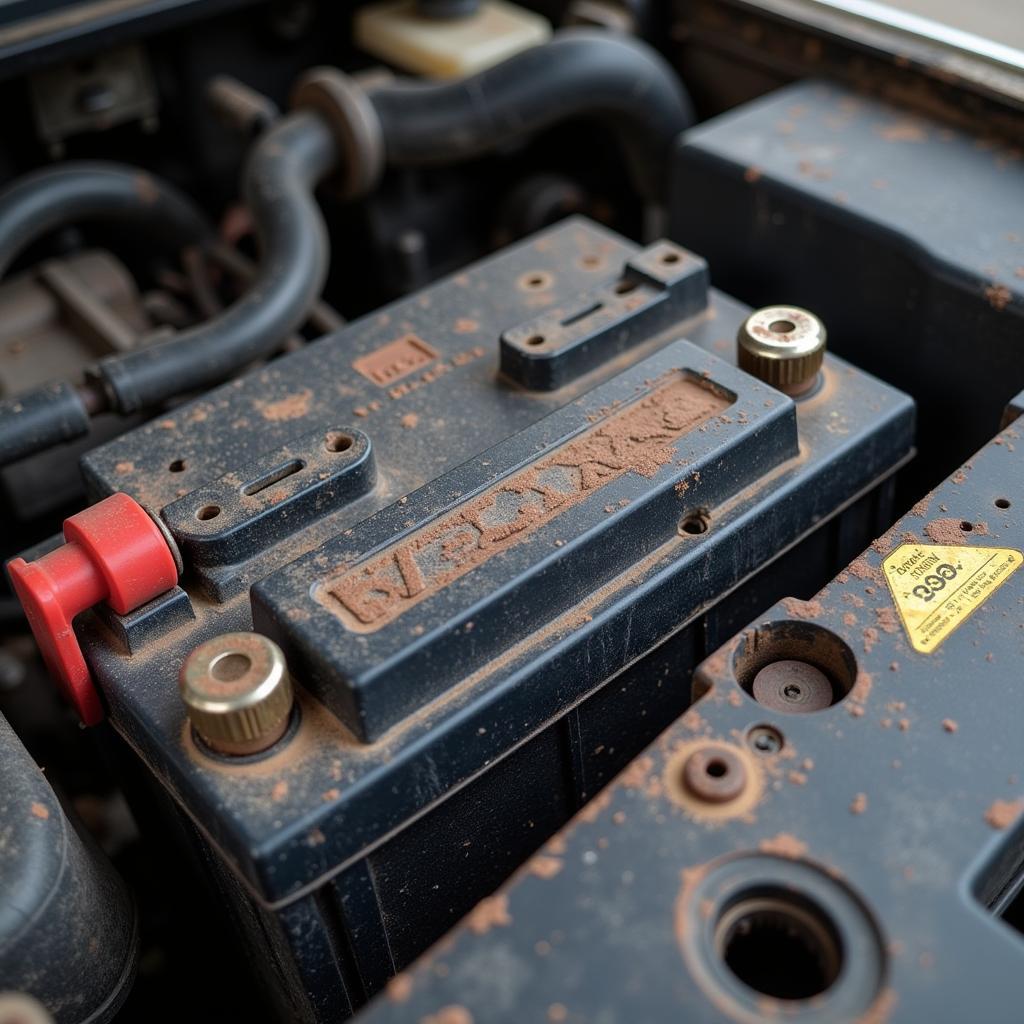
(114, 552)
(385, 489)
(454, 589)
(447, 38)
(68, 930)
(862, 866)
(825, 187)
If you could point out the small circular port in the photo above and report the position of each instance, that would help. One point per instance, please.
(773, 936)
(780, 946)
(208, 512)
(694, 523)
(795, 667)
(765, 739)
(337, 441)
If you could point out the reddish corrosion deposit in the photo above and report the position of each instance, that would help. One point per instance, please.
(1002, 813)
(399, 988)
(449, 1015)
(784, 845)
(291, 407)
(945, 531)
(802, 609)
(859, 804)
(544, 866)
(489, 913)
(638, 438)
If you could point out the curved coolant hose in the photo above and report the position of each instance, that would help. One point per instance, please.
(79, 191)
(280, 175)
(618, 81)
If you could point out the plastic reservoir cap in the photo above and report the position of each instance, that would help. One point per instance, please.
(447, 48)
(113, 552)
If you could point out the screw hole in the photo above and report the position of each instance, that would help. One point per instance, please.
(670, 257)
(336, 441)
(717, 769)
(782, 327)
(177, 466)
(535, 280)
(966, 526)
(1003, 502)
(208, 512)
(765, 739)
(534, 340)
(695, 523)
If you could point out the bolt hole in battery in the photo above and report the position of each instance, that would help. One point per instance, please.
(782, 327)
(779, 945)
(695, 523)
(338, 442)
(275, 476)
(1002, 503)
(208, 512)
(717, 769)
(765, 739)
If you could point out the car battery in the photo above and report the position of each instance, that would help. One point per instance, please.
(447, 567)
(831, 197)
(831, 832)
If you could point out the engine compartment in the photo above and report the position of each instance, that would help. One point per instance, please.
(404, 409)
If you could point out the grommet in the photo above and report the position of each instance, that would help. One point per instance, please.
(353, 121)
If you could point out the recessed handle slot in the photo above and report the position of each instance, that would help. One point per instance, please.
(282, 472)
(575, 318)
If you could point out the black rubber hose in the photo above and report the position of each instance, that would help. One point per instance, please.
(39, 203)
(281, 173)
(32, 422)
(580, 72)
(82, 191)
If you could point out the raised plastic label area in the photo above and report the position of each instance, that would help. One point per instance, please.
(937, 588)
(639, 438)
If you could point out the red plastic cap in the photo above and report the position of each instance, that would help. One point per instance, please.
(113, 552)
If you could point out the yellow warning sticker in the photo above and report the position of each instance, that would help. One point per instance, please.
(936, 588)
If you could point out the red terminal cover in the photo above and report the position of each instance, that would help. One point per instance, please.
(113, 552)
